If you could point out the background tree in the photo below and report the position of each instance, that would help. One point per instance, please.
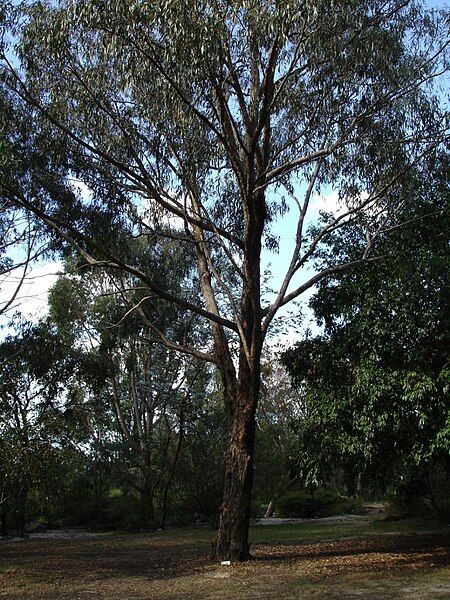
(375, 382)
(214, 118)
(33, 431)
(92, 433)
(280, 405)
(199, 478)
(147, 389)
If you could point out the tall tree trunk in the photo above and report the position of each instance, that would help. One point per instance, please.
(232, 538)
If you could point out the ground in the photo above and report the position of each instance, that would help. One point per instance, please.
(350, 558)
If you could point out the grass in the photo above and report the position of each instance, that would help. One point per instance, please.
(352, 559)
(324, 530)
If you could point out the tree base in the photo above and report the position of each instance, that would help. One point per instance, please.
(231, 554)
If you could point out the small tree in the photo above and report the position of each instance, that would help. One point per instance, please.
(206, 121)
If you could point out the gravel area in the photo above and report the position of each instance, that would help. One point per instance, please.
(334, 519)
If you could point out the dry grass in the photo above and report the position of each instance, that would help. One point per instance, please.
(174, 565)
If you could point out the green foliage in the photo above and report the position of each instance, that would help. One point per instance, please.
(321, 502)
(423, 491)
(375, 383)
(138, 121)
(67, 303)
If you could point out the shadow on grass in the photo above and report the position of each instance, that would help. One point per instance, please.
(104, 557)
(363, 553)
(167, 557)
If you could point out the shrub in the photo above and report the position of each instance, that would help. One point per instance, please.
(425, 492)
(320, 503)
(124, 511)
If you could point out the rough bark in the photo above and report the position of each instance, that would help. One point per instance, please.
(232, 537)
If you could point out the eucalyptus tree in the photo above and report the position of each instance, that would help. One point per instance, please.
(206, 122)
(21, 238)
(147, 390)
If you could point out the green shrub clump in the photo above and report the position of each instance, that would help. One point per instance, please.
(318, 503)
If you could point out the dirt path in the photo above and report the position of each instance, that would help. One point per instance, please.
(331, 520)
(371, 511)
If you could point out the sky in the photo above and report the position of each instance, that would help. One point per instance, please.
(32, 298)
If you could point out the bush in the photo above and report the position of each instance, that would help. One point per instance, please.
(296, 504)
(320, 503)
(425, 492)
(124, 511)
